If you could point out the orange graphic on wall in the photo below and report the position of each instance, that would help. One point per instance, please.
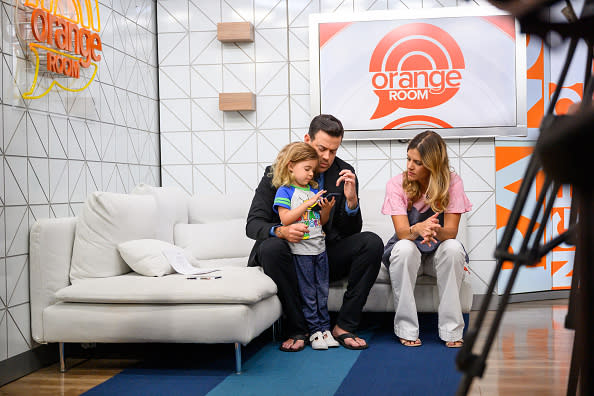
(504, 157)
(415, 66)
(559, 262)
(568, 96)
(63, 37)
(564, 254)
(536, 72)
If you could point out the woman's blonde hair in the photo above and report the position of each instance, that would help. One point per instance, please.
(434, 157)
(291, 153)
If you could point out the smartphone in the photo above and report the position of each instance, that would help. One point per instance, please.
(329, 196)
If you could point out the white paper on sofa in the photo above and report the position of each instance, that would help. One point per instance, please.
(177, 259)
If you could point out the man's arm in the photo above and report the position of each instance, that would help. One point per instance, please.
(343, 223)
(261, 218)
(347, 224)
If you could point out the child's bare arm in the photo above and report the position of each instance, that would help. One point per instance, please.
(289, 216)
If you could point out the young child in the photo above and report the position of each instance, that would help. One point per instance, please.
(297, 200)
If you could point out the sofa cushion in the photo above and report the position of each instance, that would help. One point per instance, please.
(373, 220)
(236, 286)
(145, 256)
(106, 220)
(209, 243)
(217, 263)
(172, 208)
(383, 276)
(215, 208)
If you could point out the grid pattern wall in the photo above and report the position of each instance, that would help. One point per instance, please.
(206, 151)
(57, 149)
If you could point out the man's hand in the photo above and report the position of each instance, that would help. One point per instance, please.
(350, 187)
(326, 206)
(291, 233)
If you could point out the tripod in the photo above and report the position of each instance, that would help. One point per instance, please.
(562, 151)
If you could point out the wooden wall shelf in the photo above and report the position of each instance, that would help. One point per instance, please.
(237, 101)
(235, 32)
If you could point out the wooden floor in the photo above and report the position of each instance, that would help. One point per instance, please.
(532, 351)
(530, 356)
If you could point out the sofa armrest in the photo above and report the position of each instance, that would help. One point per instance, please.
(50, 252)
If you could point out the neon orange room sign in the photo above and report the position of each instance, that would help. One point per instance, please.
(63, 37)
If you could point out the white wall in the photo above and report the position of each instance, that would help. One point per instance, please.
(204, 150)
(55, 150)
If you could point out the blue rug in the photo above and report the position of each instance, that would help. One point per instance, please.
(385, 368)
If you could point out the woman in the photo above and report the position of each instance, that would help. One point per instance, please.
(425, 203)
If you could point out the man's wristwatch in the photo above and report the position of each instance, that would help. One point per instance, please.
(278, 232)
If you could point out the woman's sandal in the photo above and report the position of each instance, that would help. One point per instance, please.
(454, 344)
(410, 343)
(295, 338)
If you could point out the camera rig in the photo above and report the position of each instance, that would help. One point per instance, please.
(563, 151)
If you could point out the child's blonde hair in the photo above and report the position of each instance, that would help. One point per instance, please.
(291, 153)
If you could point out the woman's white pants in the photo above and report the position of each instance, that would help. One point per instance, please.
(447, 265)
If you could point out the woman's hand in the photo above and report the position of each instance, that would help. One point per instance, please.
(428, 229)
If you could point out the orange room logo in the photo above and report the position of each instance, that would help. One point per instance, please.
(62, 37)
(415, 66)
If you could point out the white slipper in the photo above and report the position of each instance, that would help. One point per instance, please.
(317, 341)
(330, 341)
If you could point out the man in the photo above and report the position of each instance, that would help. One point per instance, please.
(352, 254)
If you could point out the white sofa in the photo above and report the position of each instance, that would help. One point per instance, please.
(83, 292)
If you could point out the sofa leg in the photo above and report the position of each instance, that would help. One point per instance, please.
(276, 330)
(237, 358)
(62, 359)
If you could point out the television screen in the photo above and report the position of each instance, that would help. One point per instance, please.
(389, 76)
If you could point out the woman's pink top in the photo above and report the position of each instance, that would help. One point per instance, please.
(395, 201)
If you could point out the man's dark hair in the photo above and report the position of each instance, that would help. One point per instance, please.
(327, 123)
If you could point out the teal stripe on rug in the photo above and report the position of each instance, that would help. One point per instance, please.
(386, 368)
(308, 372)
